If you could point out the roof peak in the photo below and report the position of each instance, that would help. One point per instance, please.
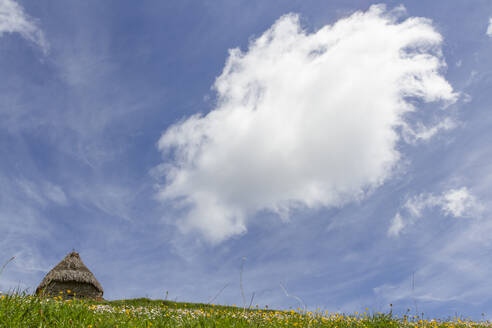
(73, 253)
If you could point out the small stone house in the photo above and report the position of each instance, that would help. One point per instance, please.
(70, 278)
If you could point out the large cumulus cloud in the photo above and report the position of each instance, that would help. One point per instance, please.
(302, 120)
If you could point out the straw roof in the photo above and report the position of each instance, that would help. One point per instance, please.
(71, 268)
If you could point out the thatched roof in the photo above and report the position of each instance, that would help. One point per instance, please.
(71, 268)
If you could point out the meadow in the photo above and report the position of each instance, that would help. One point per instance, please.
(23, 310)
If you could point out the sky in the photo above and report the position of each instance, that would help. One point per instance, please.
(332, 155)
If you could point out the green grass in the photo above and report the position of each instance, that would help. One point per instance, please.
(22, 310)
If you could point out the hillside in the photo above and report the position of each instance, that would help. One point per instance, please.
(30, 311)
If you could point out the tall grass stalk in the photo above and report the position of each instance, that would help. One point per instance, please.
(293, 296)
(5, 264)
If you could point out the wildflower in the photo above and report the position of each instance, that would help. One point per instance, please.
(68, 291)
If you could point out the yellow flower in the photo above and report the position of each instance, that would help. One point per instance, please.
(3, 296)
(68, 291)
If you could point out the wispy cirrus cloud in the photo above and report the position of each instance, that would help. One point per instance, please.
(42, 192)
(22, 200)
(304, 120)
(489, 28)
(13, 19)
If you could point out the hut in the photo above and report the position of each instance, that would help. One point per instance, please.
(70, 278)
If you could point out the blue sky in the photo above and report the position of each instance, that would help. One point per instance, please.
(338, 148)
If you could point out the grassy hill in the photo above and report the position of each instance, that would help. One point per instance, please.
(18, 310)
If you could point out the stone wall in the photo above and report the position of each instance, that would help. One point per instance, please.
(69, 289)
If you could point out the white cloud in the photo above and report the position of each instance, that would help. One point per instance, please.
(397, 225)
(302, 120)
(426, 133)
(13, 19)
(489, 28)
(458, 203)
